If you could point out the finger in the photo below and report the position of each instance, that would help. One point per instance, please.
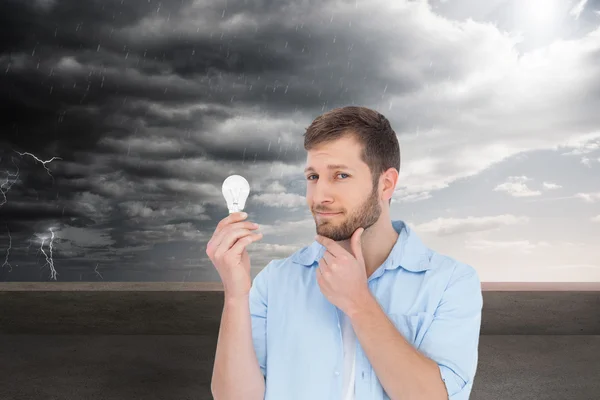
(230, 228)
(230, 219)
(241, 244)
(331, 245)
(230, 239)
(323, 267)
(328, 258)
(214, 243)
(216, 238)
(319, 276)
(356, 243)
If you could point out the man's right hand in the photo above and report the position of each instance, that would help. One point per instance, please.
(227, 251)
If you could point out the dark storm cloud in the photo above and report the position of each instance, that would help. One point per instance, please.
(287, 65)
(19, 215)
(74, 68)
(67, 85)
(113, 87)
(43, 103)
(70, 24)
(96, 58)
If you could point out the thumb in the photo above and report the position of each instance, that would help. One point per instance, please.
(356, 243)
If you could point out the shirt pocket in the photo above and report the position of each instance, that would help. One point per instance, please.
(412, 326)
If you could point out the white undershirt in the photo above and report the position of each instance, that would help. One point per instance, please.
(349, 341)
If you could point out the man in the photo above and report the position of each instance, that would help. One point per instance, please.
(367, 311)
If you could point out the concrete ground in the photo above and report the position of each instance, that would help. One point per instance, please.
(179, 367)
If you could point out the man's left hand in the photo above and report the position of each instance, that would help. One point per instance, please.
(342, 275)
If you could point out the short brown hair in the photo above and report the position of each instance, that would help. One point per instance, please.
(380, 148)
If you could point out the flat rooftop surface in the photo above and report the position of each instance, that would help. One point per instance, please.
(179, 367)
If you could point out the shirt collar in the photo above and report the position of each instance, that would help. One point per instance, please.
(409, 252)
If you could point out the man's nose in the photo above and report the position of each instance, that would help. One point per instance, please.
(322, 193)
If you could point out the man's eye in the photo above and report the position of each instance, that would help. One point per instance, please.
(341, 173)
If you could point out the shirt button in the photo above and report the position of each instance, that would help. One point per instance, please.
(337, 373)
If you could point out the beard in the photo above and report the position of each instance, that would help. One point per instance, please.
(364, 217)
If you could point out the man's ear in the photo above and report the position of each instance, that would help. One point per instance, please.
(389, 179)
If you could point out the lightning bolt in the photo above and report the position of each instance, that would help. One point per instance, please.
(98, 272)
(8, 251)
(43, 162)
(49, 260)
(5, 186)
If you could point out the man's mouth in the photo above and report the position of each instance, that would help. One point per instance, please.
(327, 214)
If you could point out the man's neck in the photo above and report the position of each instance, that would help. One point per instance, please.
(377, 244)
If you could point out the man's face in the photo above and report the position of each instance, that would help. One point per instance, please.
(348, 191)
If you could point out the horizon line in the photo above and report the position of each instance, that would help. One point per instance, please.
(218, 286)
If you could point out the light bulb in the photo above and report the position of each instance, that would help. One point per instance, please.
(235, 190)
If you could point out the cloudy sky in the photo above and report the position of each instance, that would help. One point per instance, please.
(121, 119)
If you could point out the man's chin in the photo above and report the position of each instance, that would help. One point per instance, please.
(325, 233)
(332, 236)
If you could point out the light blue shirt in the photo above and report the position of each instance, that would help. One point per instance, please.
(434, 301)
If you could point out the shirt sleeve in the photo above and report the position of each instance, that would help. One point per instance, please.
(452, 339)
(258, 315)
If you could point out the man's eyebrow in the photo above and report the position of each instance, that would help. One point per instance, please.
(330, 166)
